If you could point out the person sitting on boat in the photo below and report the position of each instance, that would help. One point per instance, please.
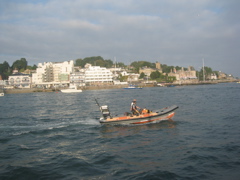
(134, 108)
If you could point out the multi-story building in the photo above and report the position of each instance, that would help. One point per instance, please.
(147, 71)
(49, 73)
(182, 74)
(222, 75)
(78, 77)
(19, 80)
(97, 75)
(61, 71)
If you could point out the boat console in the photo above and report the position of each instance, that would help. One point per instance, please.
(105, 111)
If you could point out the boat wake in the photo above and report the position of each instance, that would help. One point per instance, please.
(39, 128)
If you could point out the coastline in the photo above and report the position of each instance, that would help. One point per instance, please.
(38, 90)
(98, 87)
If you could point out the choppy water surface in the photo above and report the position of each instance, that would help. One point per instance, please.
(58, 136)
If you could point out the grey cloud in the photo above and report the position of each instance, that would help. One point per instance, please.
(176, 32)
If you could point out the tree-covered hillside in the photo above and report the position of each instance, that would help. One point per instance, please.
(20, 65)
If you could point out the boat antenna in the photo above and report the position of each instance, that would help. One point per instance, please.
(203, 71)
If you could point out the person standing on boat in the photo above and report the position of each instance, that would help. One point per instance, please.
(134, 108)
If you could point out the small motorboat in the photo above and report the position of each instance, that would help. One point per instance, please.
(160, 85)
(71, 89)
(170, 85)
(132, 87)
(146, 116)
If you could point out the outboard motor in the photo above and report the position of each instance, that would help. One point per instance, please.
(105, 111)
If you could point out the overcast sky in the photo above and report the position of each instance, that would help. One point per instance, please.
(172, 32)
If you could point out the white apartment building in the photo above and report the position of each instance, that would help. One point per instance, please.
(19, 80)
(49, 73)
(78, 77)
(61, 71)
(98, 75)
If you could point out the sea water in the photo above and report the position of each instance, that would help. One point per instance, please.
(58, 136)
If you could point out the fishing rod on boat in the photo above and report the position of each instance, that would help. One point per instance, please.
(97, 102)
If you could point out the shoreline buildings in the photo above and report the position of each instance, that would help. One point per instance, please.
(190, 73)
(62, 74)
(49, 74)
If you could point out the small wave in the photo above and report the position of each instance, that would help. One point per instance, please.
(20, 133)
(57, 127)
(24, 147)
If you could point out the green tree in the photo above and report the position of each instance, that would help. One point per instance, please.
(142, 75)
(123, 78)
(155, 75)
(100, 62)
(216, 72)
(20, 64)
(5, 70)
(108, 63)
(171, 78)
(168, 69)
(79, 62)
(34, 67)
(95, 61)
(120, 64)
(139, 64)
